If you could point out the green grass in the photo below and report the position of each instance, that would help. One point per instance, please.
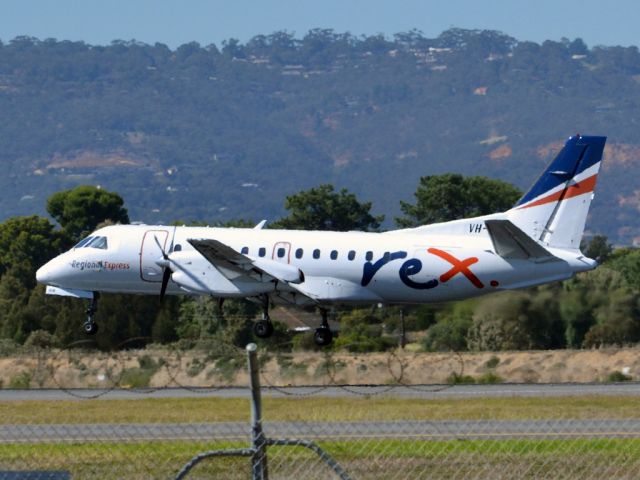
(532, 458)
(316, 408)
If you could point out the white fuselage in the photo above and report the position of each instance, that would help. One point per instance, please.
(337, 267)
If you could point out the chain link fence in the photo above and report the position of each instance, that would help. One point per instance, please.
(176, 428)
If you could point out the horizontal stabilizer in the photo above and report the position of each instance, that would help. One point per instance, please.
(511, 242)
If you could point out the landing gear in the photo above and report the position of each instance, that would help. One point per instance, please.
(264, 328)
(90, 327)
(323, 334)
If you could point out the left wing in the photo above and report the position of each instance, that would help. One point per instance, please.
(227, 259)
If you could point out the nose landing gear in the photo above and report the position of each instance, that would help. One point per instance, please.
(90, 327)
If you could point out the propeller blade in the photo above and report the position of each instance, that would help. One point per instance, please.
(166, 275)
(164, 254)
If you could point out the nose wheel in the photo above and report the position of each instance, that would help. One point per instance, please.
(90, 327)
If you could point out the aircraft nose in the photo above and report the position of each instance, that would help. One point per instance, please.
(44, 274)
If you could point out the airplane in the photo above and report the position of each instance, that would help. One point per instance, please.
(535, 242)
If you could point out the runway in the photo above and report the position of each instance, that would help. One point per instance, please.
(240, 431)
(398, 391)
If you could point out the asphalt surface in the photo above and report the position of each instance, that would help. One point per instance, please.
(414, 430)
(418, 430)
(404, 391)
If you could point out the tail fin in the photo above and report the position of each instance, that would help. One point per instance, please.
(554, 210)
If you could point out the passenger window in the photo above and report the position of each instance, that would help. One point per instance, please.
(281, 252)
(177, 248)
(316, 253)
(369, 256)
(83, 242)
(299, 253)
(245, 250)
(262, 252)
(351, 255)
(334, 254)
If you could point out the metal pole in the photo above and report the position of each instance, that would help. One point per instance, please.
(403, 335)
(258, 440)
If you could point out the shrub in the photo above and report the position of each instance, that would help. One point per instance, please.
(490, 377)
(21, 380)
(146, 362)
(618, 376)
(361, 338)
(457, 378)
(8, 347)
(41, 339)
(136, 377)
(492, 362)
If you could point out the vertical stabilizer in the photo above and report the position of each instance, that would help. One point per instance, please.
(554, 210)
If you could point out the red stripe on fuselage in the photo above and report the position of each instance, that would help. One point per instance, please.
(585, 186)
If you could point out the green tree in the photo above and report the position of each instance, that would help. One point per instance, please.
(598, 248)
(321, 208)
(440, 198)
(26, 243)
(81, 209)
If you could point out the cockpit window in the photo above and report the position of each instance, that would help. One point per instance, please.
(83, 242)
(97, 242)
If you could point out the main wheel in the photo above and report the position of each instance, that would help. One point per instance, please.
(90, 328)
(263, 328)
(323, 336)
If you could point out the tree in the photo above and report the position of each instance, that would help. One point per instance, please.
(81, 209)
(440, 198)
(321, 208)
(598, 248)
(26, 243)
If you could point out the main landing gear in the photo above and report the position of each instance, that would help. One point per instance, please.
(323, 334)
(90, 327)
(263, 328)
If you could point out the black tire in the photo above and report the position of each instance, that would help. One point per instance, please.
(90, 328)
(323, 336)
(263, 329)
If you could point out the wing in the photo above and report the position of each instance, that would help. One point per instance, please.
(232, 263)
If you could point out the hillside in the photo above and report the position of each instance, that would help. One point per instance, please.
(161, 368)
(212, 133)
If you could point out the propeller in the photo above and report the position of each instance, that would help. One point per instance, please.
(166, 270)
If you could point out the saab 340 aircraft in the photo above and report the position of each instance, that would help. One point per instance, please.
(537, 241)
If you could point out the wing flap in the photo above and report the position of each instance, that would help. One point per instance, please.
(224, 258)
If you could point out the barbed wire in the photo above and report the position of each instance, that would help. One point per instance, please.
(171, 367)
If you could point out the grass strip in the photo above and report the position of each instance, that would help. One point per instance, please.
(212, 409)
(519, 458)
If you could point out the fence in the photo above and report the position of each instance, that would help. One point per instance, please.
(326, 430)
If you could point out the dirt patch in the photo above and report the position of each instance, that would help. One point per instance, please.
(164, 368)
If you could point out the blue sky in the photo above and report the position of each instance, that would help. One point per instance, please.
(176, 22)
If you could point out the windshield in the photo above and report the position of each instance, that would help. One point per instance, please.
(97, 242)
(83, 242)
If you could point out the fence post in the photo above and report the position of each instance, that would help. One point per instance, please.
(403, 334)
(258, 440)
